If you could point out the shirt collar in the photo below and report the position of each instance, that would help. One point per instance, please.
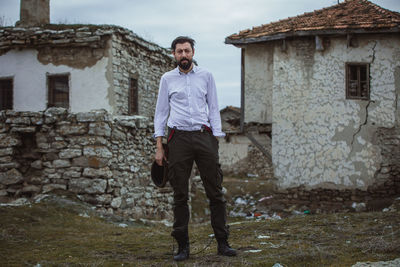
(194, 69)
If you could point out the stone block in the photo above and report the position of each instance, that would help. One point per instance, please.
(18, 120)
(37, 164)
(3, 193)
(7, 140)
(60, 163)
(78, 129)
(54, 176)
(116, 202)
(97, 173)
(11, 177)
(59, 145)
(90, 186)
(93, 162)
(100, 128)
(71, 174)
(88, 39)
(55, 111)
(87, 140)
(30, 129)
(30, 189)
(104, 199)
(126, 121)
(51, 187)
(10, 165)
(6, 159)
(118, 135)
(70, 153)
(94, 116)
(98, 151)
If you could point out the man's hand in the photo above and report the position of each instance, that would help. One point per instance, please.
(160, 154)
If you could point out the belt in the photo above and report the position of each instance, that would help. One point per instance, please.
(204, 128)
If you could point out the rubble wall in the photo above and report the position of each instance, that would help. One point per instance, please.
(101, 159)
(142, 61)
(320, 139)
(239, 157)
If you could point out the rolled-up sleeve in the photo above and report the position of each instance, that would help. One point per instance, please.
(212, 101)
(162, 109)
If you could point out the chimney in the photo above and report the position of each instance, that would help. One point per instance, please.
(34, 13)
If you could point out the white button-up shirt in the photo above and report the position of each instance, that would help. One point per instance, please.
(188, 101)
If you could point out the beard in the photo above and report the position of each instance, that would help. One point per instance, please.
(185, 65)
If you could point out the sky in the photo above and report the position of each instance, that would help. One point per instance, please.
(209, 22)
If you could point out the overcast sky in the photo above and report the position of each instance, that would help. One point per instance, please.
(207, 21)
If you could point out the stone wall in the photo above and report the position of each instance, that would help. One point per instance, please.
(141, 61)
(389, 173)
(101, 159)
(248, 161)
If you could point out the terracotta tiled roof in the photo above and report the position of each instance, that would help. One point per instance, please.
(351, 16)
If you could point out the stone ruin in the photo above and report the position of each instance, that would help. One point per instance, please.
(104, 160)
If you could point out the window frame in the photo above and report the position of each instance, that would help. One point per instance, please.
(4, 93)
(359, 81)
(50, 89)
(133, 96)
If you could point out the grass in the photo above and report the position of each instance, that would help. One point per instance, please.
(59, 232)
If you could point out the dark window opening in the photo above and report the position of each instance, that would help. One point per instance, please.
(6, 94)
(58, 91)
(133, 97)
(357, 81)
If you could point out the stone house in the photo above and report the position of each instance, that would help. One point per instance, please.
(67, 93)
(78, 67)
(328, 82)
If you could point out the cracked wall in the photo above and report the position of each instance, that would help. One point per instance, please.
(320, 138)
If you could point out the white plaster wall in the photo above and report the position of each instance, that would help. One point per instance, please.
(88, 86)
(258, 83)
(319, 138)
(234, 151)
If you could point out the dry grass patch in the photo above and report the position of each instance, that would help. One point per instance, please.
(64, 233)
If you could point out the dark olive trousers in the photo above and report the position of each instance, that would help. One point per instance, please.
(201, 147)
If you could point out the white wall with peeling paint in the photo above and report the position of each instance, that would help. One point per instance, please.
(320, 138)
(88, 86)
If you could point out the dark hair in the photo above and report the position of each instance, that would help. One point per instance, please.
(181, 40)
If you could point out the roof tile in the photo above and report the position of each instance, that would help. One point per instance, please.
(348, 15)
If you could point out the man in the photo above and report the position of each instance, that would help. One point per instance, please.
(187, 98)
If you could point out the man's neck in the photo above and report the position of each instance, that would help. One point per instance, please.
(186, 71)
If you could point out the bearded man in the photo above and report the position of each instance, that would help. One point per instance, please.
(187, 103)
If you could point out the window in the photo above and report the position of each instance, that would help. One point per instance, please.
(133, 97)
(357, 81)
(6, 94)
(58, 91)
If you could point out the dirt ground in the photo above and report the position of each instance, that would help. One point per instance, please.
(63, 232)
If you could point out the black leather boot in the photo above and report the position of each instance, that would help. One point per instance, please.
(224, 249)
(183, 250)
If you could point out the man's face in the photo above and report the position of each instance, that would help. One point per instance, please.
(184, 55)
